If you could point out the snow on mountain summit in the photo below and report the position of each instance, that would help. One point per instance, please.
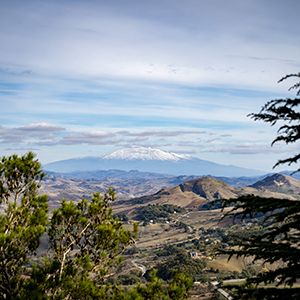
(144, 153)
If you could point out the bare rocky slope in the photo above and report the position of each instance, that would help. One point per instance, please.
(194, 193)
(279, 183)
(137, 188)
(77, 185)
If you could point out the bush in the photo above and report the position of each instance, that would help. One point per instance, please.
(180, 262)
(156, 213)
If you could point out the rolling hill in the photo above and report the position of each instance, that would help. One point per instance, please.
(279, 183)
(197, 192)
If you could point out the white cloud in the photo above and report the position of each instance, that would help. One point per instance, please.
(214, 45)
(132, 66)
(41, 127)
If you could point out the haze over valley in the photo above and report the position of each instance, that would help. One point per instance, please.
(150, 160)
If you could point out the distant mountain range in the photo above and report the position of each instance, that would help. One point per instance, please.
(150, 160)
(142, 188)
(83, 184)
(198, 192)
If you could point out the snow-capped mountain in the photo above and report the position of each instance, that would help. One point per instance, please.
(143, 153)
(150, 160)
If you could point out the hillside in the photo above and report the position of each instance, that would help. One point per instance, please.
(194, 193)
(135, 188)
(279, 183)
(127, 185)
(209, 188)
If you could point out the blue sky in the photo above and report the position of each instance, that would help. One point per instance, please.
(84, 78)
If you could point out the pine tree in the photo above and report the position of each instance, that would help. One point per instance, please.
(85, 244)
(23, 219)
(286, 111)
(277, 239)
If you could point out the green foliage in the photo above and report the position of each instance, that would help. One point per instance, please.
(128, 279)
(276, 241)
(216, 204)
(286, 111)
(177, 288)
(180, 262)
(85, 244)
(157, 212)
(167, 250)
(253, 293)
(23, 219)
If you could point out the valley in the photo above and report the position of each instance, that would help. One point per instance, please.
(173, 212)
(178, 216)
(135, 188)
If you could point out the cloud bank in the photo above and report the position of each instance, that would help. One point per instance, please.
(85, 77)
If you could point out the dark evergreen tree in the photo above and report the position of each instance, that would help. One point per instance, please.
(286, 111)
(276, 239)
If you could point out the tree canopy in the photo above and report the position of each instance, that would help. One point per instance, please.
(286, 111)
(275, 238)
(23, 219)
(85, 242)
